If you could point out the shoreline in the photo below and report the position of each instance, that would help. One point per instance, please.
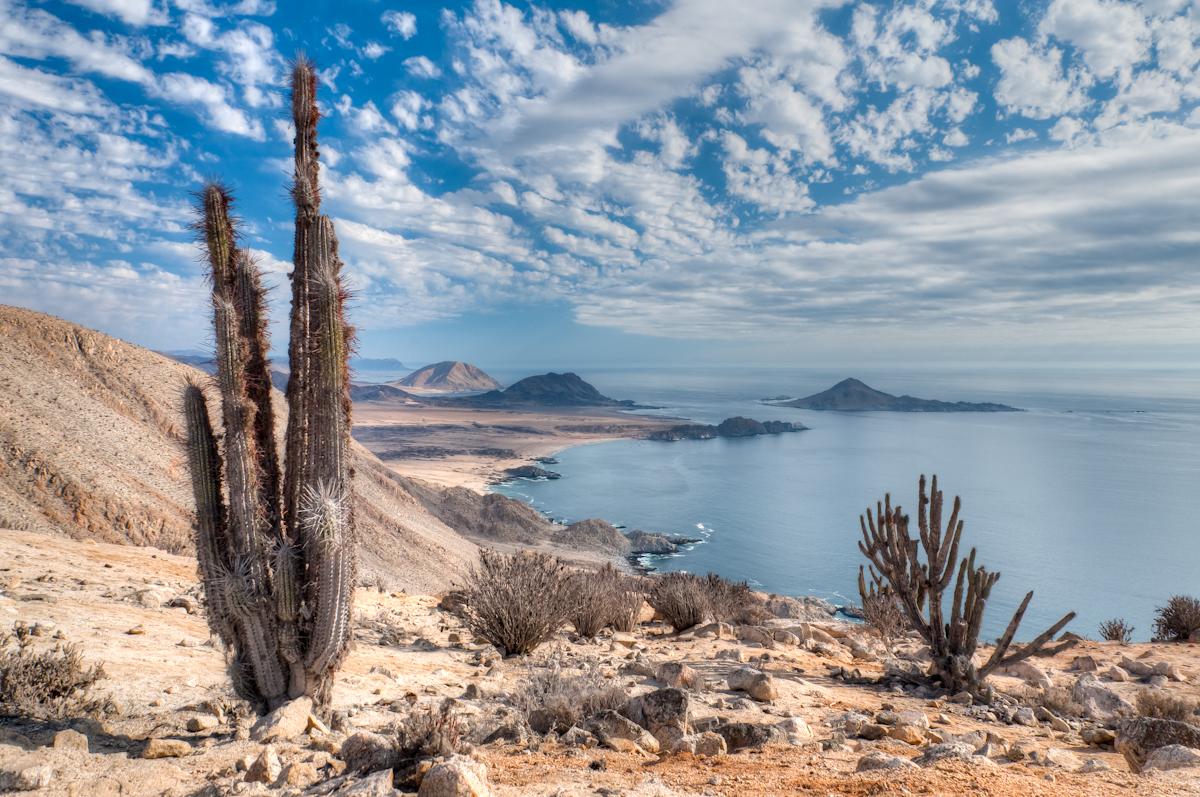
(472, 447)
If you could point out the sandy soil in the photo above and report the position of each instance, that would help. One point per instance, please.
(168, 673)
(471, 447)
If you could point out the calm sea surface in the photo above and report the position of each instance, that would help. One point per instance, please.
(1091, 498)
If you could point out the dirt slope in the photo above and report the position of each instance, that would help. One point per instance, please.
(91, 447)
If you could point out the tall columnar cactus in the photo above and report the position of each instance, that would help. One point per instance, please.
(920, 588)
(276, 553)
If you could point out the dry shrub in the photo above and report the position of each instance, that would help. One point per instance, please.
(518, 602)
(686, 600)
(1161, 704)
(51, 684)
(425, 732)
(1059, 700)
(681, 599)
(1178, 620)
(556, 696)
(605, 598)
(733, 601)
(1116, 630)
(882, 612)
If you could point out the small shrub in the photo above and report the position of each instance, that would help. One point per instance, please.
(681, 599)
(1059, 700)
(51, 684)
(1161, 704)
(1176, 621)
(518, 602)
(627, 605)
(882, 612)
(556, 696)
(425, 732)
(1116, 630)
(733, 601)
(603, 599)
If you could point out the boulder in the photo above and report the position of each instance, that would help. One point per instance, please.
(880, 760)
(1168, 670)
(284, 723)
(731, 654)
(1138, 738)
(1029, 673)
(748, 735)
(756, 683)
(1058, 757)
(909, 734)
(1100, 703)
(704, 744)
(377, 784)
(266, 768)
(1084, 664)
(1024, 716)
(1094, 765)
(619, 733)
(1098, 736)
(755, 634)
(1116, 674)
(1173, 756)
(715, 630)
(946, 750)
(166, 748)
(666, 713)
(368, 752)
(679, 675)
(300, 774)
(457, 776)
(71, 740)
(797, 730)
(25, 773)
(1138, 669)
(205, 722)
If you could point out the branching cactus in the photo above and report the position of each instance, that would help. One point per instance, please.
(277, 551)
(920, 585)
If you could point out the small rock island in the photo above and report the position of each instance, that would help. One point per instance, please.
(730, 427)
(851, 395)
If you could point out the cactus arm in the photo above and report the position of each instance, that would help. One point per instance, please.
(212, 544)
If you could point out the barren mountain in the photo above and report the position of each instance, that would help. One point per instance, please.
(451, 376)
(851, 395)
(91, 447)
(543, 390)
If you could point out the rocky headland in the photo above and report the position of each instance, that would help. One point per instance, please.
(730, 427)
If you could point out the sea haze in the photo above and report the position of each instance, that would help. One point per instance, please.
(1089, 498)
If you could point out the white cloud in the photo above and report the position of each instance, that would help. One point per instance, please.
(250, 56)
(401, 23)
(1019, 134)
(407, 107)
(420, 66)
(37, 34)
(188, 89)
(1032, 82)
(374, 50)
(132, 12)
(1112, 35)
(32, 87)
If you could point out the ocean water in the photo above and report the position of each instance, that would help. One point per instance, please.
(1091, 497)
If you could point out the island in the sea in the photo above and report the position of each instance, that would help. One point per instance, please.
(730, 427)
(543, 390)
(852, 395)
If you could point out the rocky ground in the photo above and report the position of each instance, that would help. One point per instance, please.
(773, 709)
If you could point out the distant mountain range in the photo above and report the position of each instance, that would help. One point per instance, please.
(851, 395)
(543, 390)
(451, 376)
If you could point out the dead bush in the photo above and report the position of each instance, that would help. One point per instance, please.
(47, 684)
(556, 696)
(681, 599)
(627, 605)
(604, 600)
(1178, 620)
(426, 732)
(1161, 704)
(1059, 700)
(733, 601)
(883, 613)
(1116, 630)
(518, 602)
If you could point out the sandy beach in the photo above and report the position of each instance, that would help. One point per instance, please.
(471, 447)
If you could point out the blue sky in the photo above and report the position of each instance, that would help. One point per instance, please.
(595, 183)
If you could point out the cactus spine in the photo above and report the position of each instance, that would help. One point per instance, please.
(276, 551)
